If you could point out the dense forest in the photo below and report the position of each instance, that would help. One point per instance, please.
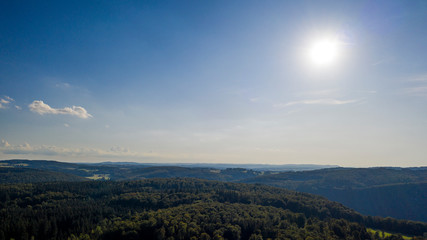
(396, 192)
(181, 208)
(389, 192)
(345, 178)
(29, 175)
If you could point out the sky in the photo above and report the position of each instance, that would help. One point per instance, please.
(214, 82)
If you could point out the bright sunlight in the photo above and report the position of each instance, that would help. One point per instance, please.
(324, 52)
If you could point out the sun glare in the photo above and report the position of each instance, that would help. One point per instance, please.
(324, 52)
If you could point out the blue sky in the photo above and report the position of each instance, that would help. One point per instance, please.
(214, 81)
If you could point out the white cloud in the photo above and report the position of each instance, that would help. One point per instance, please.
(323, 101)
(66, 125)
(42, 108)
(9, 98)
(18, 107)
(3, 105)
(255, 99)
(63, 85)
(4, 143)
(5, 101)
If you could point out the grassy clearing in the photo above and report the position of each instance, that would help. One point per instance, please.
(385, 234)
(100, 177)
(5, 165)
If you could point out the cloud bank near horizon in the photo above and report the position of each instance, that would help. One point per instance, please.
(49, 150)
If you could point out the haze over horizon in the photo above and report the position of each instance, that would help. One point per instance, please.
(278, 82)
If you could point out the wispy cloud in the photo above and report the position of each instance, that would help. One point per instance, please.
(416, 91)
(371, 91)
(323, 101)
(254, 100)
(116, 152)
(320, 93)
(383, 61)
(42, 108)
(419, 86)
(63, 85)
(46, 150)
(5, 101)
(117, 149)
(419, 78)
(4, 144)
(90, 154)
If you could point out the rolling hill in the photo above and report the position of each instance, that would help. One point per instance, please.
(29, 175)
(396, 192)
(182, 208)
(388, 192)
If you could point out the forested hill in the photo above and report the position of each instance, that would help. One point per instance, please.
(29, 175)
(131, 171)
(396, 192)
(180, 209)
(345, 178)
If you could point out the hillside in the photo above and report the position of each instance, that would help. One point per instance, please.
(181, 208)
(29, 175)
(346, 178)
(396, 192)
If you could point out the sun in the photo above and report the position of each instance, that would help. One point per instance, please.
(324, 52)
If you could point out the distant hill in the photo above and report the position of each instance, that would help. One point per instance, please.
(403, 201)
(344, 178)
(203, 173)
(395, 192)
(88, 169)
(132, 171)
(255, 167)
(29, 175)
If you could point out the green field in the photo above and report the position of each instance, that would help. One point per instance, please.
(385, 234)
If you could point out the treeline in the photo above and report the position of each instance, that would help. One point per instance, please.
(180, 209)
(226, 220)
(29, 175)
